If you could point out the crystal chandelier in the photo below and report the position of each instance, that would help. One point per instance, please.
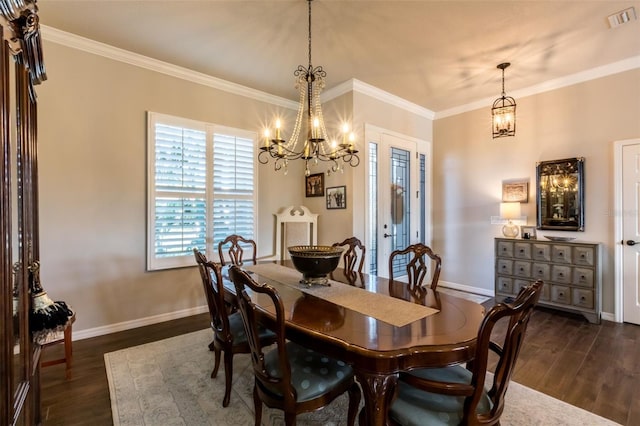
(503, 112)
(316, 146)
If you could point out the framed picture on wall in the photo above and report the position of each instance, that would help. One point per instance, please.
(314, 185)
(515, 192)
(337, 197)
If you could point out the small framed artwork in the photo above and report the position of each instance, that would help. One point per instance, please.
(515, 192)
(314, 185)
(528, 232)
(337, 197)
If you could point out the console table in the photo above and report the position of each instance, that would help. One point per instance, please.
(570, 270)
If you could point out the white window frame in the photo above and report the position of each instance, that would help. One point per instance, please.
(187, 260)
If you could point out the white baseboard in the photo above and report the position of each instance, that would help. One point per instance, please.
(140, 322)
(467, 288)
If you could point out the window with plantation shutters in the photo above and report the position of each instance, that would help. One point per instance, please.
(201, 188)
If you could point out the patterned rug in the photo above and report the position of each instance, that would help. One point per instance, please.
(167, 383)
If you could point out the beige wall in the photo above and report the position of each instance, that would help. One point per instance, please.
(92, 152)
(469, 166)
(92, 156)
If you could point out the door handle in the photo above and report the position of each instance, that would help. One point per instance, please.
(631, 242)
(387, 235)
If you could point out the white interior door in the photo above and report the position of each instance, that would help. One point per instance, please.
(398, 213)
(631, 233)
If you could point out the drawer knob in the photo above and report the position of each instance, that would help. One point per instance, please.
(582, 255)
(561, 294)
(582, 277)
(583, 298)
(561, 254)
(540, 252)
(521, 251)
(560, 274)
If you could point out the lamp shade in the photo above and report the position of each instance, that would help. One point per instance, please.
(510, 211)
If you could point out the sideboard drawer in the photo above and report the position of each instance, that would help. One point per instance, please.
(561, 254)
(583, 256)
(505, 249)
(522, 251)
(561, 274)
(505, 285)
(583, 277)
(522, 269)
(542, 252)
(541, 271)
(561, 294)
(505, 266)
(583, 298)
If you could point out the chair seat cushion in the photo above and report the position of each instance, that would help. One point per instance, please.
(312, 373)
(417, 407)
(236, 326)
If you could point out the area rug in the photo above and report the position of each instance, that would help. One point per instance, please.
(167, 383)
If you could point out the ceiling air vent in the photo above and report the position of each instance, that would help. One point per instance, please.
(622, 17)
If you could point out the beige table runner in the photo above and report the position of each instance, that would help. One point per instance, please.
(391, 310)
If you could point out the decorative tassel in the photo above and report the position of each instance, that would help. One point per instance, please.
(46, 316)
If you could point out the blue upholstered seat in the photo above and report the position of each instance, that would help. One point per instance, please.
(236, 326)
(312, 373)
(415, 407)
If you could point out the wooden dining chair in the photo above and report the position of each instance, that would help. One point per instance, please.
(457, 395)
(289, 377)
(420, 257)
(235, 245)
(353, 259)
(228, 331)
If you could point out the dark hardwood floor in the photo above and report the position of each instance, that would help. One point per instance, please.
(594, 367)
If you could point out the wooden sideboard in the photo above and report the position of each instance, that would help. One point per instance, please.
(570, 270)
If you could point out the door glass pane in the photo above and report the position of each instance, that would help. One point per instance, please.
(373, 209)
(400, 214)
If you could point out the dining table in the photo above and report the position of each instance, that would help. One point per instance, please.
(380, 327)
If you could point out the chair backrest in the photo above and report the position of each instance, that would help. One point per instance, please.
(417, 266)
(353, 258)
(236, 246)
(516, 317)
(211, 275)
(281, 382)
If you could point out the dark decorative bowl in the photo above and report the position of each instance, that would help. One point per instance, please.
(315, 262)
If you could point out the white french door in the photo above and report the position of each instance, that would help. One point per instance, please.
(399, 198)
(631, 232)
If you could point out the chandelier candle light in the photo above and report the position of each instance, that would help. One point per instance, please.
(503, 112)
(317, 146)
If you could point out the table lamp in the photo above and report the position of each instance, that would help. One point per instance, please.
(510, 211)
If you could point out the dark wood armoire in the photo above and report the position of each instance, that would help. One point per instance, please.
(21, 68)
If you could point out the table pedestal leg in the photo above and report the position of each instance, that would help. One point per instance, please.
(378, 391)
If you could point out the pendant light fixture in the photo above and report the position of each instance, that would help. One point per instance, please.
(316, 146)
(503, 112)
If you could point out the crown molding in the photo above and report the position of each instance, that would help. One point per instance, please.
(91, 46)
(355, 85)
(558, 83)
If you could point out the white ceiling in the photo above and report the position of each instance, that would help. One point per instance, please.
(436, 54)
